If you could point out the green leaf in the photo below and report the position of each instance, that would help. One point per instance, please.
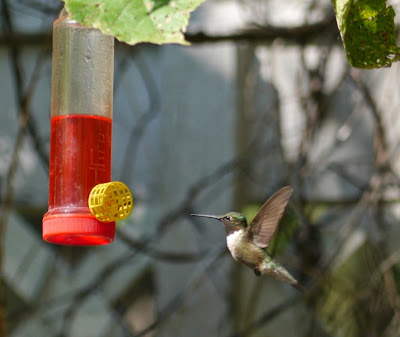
(368, 32)
(135, 21)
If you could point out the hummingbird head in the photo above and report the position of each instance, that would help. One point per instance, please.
(232, 221)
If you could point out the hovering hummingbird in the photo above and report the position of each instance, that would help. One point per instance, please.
(248, 243)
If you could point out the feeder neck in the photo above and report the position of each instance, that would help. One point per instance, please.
(83, 69)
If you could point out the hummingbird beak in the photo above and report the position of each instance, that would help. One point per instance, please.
(207, 216)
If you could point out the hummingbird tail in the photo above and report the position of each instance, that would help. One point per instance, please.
(298, 286)
(277, 271)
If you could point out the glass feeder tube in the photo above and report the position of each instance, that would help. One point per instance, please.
(80, 137)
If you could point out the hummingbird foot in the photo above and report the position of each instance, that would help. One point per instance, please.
(257, 272)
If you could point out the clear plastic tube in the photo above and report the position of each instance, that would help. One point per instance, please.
(81, 130)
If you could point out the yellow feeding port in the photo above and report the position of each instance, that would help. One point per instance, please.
(110, 201)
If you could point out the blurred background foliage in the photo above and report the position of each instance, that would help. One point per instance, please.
(263, 98)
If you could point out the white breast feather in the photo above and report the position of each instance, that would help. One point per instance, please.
(232, 240)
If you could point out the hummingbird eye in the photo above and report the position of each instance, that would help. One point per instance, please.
(229, 218)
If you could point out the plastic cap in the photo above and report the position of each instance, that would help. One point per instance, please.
(110, 201)
(77, 230)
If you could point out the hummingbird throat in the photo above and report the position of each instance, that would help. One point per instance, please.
(233, 239)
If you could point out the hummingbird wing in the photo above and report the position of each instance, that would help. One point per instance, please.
(264, 224)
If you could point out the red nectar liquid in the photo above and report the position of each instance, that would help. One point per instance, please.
(80, 158)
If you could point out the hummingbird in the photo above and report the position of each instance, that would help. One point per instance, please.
(248, 242)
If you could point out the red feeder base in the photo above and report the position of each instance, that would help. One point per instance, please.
(77, 230)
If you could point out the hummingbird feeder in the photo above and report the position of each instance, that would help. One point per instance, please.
(80, 139)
